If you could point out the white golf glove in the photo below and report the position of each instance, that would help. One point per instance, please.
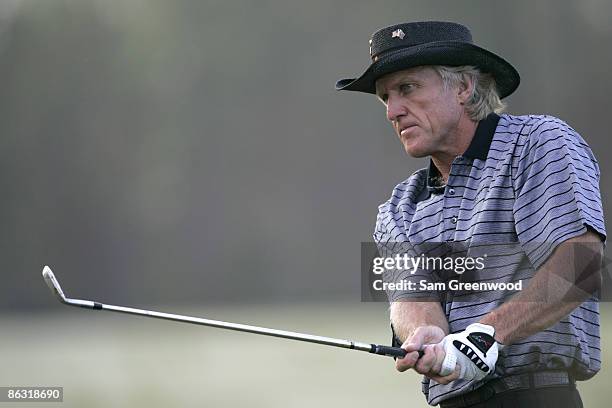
(474, 349)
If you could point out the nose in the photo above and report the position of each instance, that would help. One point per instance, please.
(395, 109)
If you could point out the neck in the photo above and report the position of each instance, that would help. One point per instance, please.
(459, 141)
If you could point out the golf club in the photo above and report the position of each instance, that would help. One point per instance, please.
(327, 341)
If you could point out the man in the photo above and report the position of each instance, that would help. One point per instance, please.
(528, 181)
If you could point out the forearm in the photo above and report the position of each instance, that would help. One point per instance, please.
(406, 317)
(552, 293)
(526, 315)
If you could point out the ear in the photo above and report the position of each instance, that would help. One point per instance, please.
(465, 89)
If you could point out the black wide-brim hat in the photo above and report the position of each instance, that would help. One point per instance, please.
(408, 45)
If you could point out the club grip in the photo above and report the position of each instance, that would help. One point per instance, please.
(391, 351)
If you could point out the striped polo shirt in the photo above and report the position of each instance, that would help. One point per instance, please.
(530, 182)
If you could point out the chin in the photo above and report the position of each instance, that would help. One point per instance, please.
(415, 152)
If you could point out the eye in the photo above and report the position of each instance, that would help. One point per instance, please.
(405, 88)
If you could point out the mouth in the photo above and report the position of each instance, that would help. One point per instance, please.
(404, 130)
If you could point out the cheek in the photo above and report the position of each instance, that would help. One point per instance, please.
(428, 112)
(444, 117)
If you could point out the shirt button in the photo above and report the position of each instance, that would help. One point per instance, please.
(454, 220)
(451, 191)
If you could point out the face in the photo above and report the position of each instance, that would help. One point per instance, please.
(423, 113)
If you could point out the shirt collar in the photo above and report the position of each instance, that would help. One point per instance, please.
(481, 142)
(478, 149)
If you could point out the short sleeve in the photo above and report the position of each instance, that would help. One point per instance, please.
(556, 184)
(391, 242)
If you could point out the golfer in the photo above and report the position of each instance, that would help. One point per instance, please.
(530, 181)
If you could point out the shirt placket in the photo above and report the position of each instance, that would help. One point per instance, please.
(452, 199)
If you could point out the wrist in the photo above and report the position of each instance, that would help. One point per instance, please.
(500, 337)
(500, 344)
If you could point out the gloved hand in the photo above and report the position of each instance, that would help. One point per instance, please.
(474, 349)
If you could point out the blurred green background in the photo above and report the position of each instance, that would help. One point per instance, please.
(193, 156)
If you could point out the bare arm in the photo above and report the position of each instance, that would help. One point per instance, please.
(565, 280)
(406, 317)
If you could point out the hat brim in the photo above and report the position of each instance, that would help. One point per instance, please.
(450, 53)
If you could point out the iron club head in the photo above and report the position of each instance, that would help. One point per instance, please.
(53, 284)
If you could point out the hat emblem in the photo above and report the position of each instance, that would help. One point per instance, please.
(398, 34)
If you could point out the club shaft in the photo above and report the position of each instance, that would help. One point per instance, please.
(55, 287)
(328, 341)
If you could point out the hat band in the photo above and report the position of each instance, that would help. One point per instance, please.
(381, 53)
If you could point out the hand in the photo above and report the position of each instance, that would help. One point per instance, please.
(424, 335)
(474, 351)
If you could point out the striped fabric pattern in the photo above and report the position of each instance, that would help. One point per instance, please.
(530, 182)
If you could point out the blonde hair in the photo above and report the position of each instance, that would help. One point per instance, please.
(485, 97)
